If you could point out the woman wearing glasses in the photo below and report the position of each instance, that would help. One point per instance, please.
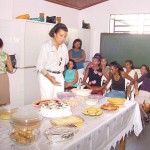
(51, 61)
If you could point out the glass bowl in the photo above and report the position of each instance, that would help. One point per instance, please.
(6, 113)
(25, 126)
(62, 95)
(60, 133)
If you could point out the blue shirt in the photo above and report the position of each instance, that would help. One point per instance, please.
(70, 76)
(77, 54)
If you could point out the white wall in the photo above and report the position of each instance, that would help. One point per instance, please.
(9, 9)
(98, 15)
(34, 7)
(6, 9)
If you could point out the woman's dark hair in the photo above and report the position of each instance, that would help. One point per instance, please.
(117, 65)
(131, 62)
(1, 43)
(74, 64)
(56, 28)
(145, 67)
(97, 57)
(75, 41)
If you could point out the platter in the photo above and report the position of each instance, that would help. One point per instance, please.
(109, 107)
(92, 111)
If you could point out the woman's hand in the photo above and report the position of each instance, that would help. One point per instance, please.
(53, 80)
(68, 84)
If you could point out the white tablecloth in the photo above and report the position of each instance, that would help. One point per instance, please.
(97, 133)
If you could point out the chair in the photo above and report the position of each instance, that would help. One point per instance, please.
(131, 97)
(108, 87)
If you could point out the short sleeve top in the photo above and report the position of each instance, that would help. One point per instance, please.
(3, 61)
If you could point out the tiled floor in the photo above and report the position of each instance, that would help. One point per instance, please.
(139, 143)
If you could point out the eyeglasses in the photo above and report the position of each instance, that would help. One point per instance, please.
(60, 61)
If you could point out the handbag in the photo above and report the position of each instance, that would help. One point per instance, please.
(51, 19)
(13, 60)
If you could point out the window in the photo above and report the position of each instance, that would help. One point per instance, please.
(131, 23)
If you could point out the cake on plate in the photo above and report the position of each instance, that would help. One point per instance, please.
(54, 109)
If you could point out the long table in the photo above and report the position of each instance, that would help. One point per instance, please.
(98, 132)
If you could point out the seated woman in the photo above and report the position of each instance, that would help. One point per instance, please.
(143, 95)
(94, 73)
(103, 65)
(129, 69)
(118, 81)
(71, 76)
(144, 69)
(105, 68)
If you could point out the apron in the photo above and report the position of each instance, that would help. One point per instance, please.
(47, 89)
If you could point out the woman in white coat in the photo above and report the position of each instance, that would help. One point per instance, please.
(51, 61)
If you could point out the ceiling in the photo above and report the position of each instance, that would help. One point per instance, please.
(77, 4)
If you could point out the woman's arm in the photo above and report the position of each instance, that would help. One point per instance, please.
(9, 65)
(136, 88)
(70, 54)
(132, 81)
(135, 79)
(135, 76)
(88, 66)
(125, 75)
(85, 78)
(82, 58)
(105, 73)
(108, 80)
(40, 66)
(78, 59)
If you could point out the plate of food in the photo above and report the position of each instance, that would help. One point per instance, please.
(73, 101)
(92, 111)
(66, 121)
(116, 101)
(41, 102)
(109, 107)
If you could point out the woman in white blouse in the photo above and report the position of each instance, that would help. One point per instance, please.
(129, 69)
(51, 61)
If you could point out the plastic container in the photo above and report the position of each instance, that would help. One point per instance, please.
(25, 127)
(62, 95)
(96, 96)
(6, 112)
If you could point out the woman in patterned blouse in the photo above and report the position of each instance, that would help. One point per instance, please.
(5, 66)
(94, 74)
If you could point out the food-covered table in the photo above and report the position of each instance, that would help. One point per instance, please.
(98, 132)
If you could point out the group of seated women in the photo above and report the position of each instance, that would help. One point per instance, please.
(123, 80)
